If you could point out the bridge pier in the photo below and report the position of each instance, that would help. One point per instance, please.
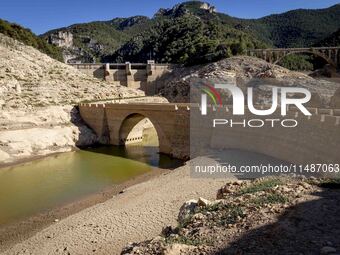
(107, 74)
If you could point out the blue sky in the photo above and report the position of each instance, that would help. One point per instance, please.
(43, 15)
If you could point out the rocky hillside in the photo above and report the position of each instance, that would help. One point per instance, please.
(245, 72)
(272, 215)
(192, 31)
(37, 98)
(89, 42)
(27, 37)
(29, 79)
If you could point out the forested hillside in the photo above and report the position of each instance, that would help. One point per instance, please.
(186, 39)
(298, 28)
(330, 41)
(194, 32)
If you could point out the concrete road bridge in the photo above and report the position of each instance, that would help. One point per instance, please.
(315, 140)
(330, 54)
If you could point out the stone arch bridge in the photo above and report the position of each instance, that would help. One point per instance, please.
(114, 121)
(315, 140)
(330, 54)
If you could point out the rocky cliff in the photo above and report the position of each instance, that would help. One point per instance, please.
(61, 39)
(37, 98)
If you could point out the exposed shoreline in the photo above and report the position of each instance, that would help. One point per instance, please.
(32, 158)
(22, 229)
(135, 215)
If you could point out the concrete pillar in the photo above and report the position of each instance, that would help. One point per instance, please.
(270, 55)
(107, 74)
(128, 68)
(149, 67)
(129, 77)
(264, 54)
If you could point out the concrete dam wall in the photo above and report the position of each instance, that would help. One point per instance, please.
(133, 75)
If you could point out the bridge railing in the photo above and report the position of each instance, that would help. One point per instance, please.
(315, 111)
(293, 49)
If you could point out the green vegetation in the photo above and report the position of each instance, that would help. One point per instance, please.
(260, 186)
(270, 199)
(186, 39)
(212, 208)
(226, 214)
(187, 34)
(331, 41)
(298, 62)
(231, 215)
(27, 37)
(100, 38)
(187, 241)
(298, 28)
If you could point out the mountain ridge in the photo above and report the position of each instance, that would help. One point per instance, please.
(130, 39)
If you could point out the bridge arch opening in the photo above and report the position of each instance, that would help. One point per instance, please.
(316, 60)
(137, 129)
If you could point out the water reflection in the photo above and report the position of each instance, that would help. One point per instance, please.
(146, 154)
(43, 184)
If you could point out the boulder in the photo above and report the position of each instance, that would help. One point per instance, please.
(186, 210)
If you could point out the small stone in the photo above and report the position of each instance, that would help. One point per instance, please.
(286, 189)
(305, 185)
(198, 216)
(327, 250)
(203, 202)
(56, 220)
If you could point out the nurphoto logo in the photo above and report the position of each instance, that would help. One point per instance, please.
(238, 105)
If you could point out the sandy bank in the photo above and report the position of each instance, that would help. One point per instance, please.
(137, 214)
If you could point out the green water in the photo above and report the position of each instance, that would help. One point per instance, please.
(43, 184)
